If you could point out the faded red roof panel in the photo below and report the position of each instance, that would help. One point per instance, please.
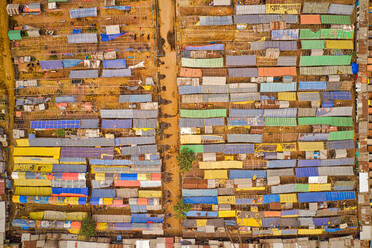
(310, 19)
(276, 71)
(187, 72)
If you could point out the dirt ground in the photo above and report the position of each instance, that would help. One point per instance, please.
(171, 109)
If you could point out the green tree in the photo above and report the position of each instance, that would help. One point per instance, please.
(88, 227)
(185, 159)
(181, 209)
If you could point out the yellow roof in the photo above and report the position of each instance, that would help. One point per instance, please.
(190, 139)
(310, 146)
(287, 96)
(34, 160)
(288, 197)
(226, 213)
(226, 199)
(149, 193)
(339, 44)
(221, 165)
(37, 151)
(215, 174)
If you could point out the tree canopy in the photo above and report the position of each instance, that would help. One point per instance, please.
(181, 208)
(185, 159)
(88, 227)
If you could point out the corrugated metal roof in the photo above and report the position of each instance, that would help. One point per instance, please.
(83, 74)
(242, 60)
(310, 19)
(82, 38)
(202, 63)
(276, 71)
(312, 44)
(341, 144)
(308, 96)
(280, 172)
(337, 111)
(315, 7)
(122, 141)
(326, 70)
(287, 61)
(89, 123)
(277, 122)
(109, 73)
(262, 19)
(287, 112)
(138, 150)
(55, 142)
(189, 113)
(128, 113)
(86, 12)
(281, 163)
(189, 122)
(325, 60)
(51, 64)
(335, 19)
(244, 138)
(340, 9)
(135, 98)
(250, 9)
(114, 63)
(215, 20)
(285, 34)
(242, 72)
(242, 97)
(115, 124)
(145, 123)
(278, 87)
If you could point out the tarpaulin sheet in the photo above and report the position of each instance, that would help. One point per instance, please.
(308, 162)
(70, 192)
(312, 85)
(84, 12)
(55, 124)
(238, 148)
(271, 198)
(118, 7)
(114, 63)
(199, 192)
(108, 37)
(67, 63)
(115, 124)
(144, 218)
(51, 64)
(340, 196)
(67, 99)
(200, 200)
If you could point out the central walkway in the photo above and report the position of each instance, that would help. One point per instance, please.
(169, 114)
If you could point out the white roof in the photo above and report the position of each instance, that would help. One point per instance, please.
(363, 182)
(113, 29)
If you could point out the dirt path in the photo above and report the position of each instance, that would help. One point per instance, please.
(6, 67)
(166, 17)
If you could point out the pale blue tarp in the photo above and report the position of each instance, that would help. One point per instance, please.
(51, 64)
(281, 163)
(277, 87)
(68, 63)
(118, 7)
(63, 99)
(271, 198)
(199, 192)
(103, 193)
(114, 63)
(200, 200)
(86, 12)
(313, 85)
(246, 174)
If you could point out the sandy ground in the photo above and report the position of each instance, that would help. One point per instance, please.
(168, 69)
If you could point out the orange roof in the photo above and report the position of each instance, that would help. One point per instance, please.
(187, 72)
(369, 60)
(126, 183)
(310, 19)
(276, 71)
(369, 67)
(272, 213)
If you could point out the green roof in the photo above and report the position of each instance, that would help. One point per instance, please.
(312, 44)
(202, 63)
(335, 19)
(277, 122)
(326, 120)
(341, 135)
(194, 148)
(14, 35)
(208, 113)
(300, 187)
(326, 34)
(325, 60)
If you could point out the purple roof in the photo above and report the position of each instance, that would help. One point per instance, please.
(114, 124)
(51, 64)
(243, 72)
(114, 63)
(87, 152)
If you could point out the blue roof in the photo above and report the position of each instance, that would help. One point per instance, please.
(246, 174)
(115, 124)
(51, 64)
(312, 197)
(67, 63)
(103, 193)
(336, 95)
(202, 214)
(135, 98)
(200, 200)
(144, 218)
(246, 112)
(307, 172)
(340, 196)
(238, 148)
(79, 13)
(271, 198)
(312, 85)
(114, 63)
(308, 162)
(69, 168)
(55, 124)
(79, 191)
